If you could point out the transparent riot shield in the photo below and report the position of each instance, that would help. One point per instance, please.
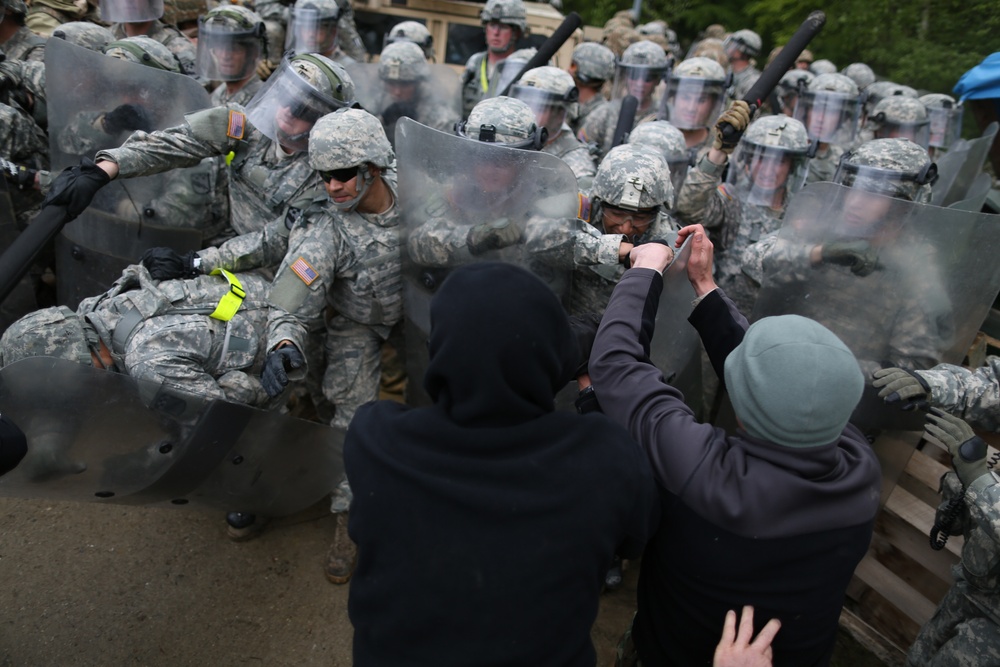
(466, 201)
(104, 437)
(959, 167)
(435, 101)
(676, 347)
(976, 195)
(96, 102)
(902, 284)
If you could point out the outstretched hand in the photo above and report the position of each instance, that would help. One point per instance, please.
(736, 650)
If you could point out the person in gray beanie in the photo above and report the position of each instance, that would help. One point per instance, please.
(776, 515)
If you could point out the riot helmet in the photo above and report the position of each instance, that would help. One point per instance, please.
(506, 12)
(743, 44)
(893, 167)
(823, 66)
(595, 63)
(879, 90)
(861, 74)
(639, 71)
(900, 116)
(829, 109)
(346, 144)
(131, 11)
(86, 34)
(144, 51)
(696, 89)
(771, 161)
(551, 93)
(412, 31)
(304, 88)
(231, 41)
(670, 142)
(404, 62)
(50, 332)
(945, 117)
(712, 49)
(631, 187)
(312, 27)
(503, 120)
(805, 60)
(790, 87)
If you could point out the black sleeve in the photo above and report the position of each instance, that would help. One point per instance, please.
(721, 327)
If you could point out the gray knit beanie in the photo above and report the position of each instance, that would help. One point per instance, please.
(793, 382)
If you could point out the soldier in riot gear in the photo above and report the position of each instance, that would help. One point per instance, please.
(790, 87)
(823, 66)
(505, 23)
(86, 34)
(640, 70)
(552, 95)
(313, 28)
(669, 141)
(591, 67)
(945, 120)
(231, 42)
(269, 171)
(17, 41)
(696, 89)
(900, 116)
(768, 167)
(130, 18)
(829, 109)
(413, 31)
(44, 17)
(409, 90)
(742, 47)
(861, 74)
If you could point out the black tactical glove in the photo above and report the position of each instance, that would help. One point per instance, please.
(398, 110)
(274, 377)
(167, 264)
(968, 451)
(738, 116)
(76, 186)
(18, 175)
(493, 236)
(856, 254)
(127, 117)
(584, 330)
(901, 385)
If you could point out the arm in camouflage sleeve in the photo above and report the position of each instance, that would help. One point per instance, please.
(262, 249)
(972, 395)
(983, 499)
(567, 244)
(440, 242)
(240, 387)
(701, 203)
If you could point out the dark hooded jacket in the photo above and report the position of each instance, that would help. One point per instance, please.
(486, 522)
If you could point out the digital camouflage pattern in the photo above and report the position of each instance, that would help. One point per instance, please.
(508, 12)
(896, 169)
(172, 38)
(744, 41)
(595, 63)
(513, 120)
(412, 31)
(599, 127)
(861, 74)
(901, 109)
(143, 50)
(568, 148)
(241, 97)
(25, 45)
(86, 34)
(45, 16)
(632, 177)
(349, 138)
(669, 141)
(823, 167)
(403, 61)
(973, 395)
(583, 111)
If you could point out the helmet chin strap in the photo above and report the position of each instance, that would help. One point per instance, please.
(365, 178)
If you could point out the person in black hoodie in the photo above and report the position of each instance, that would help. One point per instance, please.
(485, 523)
(776, 515)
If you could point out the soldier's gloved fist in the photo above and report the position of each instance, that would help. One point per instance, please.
(856, 254)
(127, 117)
(265, 68)
(493, 236)
(738, 117)
(968, 451)
(274, 377)
(900, 385)
(18, 175)
(76, 186)
(167, 263)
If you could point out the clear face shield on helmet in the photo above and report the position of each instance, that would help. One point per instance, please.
(692, 103)
(309, 31)
(287, 106)
(767, 175)
(504, 73)
(910, 186)
(549, 108)
(945, 125)
(918, 131)
(226, 53)
(678, 170)
(829, 117)
(131, 11)
(639, 81)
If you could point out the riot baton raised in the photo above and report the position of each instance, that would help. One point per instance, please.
(770, 77)
(626, 119)
(549, 47)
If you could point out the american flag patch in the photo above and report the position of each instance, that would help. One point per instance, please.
(237, 125)
(305, 271)
(583, 211)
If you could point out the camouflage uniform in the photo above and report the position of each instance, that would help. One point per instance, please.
(900, 116)
(172, 38)
(25, 45)
(159, 332)
(83, 33)
(568, 148)
(309, 13)
(265, 181)
(349, 40)
(748, 43)
(404, 62)
(478, 71)
(735, 223)
(669, 141)
(584, 111)
(221, 96)
(826, 95)
(238, 30)
(972, 395)
(45, 16)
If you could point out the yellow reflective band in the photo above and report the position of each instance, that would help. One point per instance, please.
(484, 83)
(229, 157)
(231, 300)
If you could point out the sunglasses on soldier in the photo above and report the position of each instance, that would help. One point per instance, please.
(339, 175)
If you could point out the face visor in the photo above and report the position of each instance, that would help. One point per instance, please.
(311, 32)
(693, 103)
(767, 175)
(549, 108)
(131, 11)
(226, 53)
(829, 117)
